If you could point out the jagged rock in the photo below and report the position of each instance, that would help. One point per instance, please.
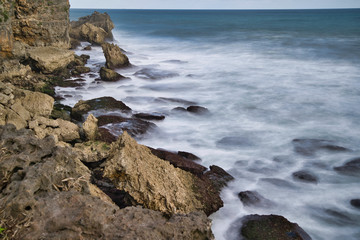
(38, 104)
(147, 179)
(80, 70)
(101, 20)
(92, 34)
(12, 69)
(63, 130)
(109, 75)
(115, 58)
(104, 103)
(92, 151)
(50, 59)
(90, 127)
(260, 227)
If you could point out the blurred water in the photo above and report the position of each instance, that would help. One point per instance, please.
(267, 77)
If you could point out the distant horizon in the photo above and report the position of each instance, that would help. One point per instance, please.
(227, 9)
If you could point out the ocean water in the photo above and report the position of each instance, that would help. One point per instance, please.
(267, 78)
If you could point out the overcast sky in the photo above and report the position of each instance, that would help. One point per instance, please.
(214, 4)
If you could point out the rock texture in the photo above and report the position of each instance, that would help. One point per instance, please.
(100, 20)
(91, 33)
(34, 23)
(90, 127)
(146, 178)
(50, 59)
(45, 193)
(115, 58)
(270, 227)
(109, 75)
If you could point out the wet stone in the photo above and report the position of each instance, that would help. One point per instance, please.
(305, 177)
(309, 147)
(150, 116)
(253, 198)
(154, 74)
(198, 110)
(352, 167)
(188, 156)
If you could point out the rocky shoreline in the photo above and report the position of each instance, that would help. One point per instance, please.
(64, 175)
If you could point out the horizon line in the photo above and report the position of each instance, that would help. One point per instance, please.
(206, 9)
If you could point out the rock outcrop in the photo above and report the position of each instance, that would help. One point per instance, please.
(115, 58)
(34, 23)
(99, 20)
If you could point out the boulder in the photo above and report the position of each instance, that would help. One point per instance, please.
(90, 127)
(218, 177)
(260, 227)
(109, 75)
(101, 20)
(188, 156)
(147, 179)
(104, 103)
(38, 104)
(115, 58)
(253, 198)
(92, 34)
(50, 59)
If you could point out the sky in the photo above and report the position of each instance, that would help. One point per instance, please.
(214, 4)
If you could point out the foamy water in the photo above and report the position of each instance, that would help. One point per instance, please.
(260, 99)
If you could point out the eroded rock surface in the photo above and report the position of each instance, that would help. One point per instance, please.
(115, 58)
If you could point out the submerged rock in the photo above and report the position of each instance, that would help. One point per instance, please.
(150, 116)
(305, 176)
(261, 227)
(198, 110)
(355, 203)
(253, 198)
(104, 103)
(109, 75)
(115, 58)
(309, 147)
(352, 167)
(154, 74)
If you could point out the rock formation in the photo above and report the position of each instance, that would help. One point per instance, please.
(115, 58)
(109, 75)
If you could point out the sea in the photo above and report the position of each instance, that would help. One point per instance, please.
(283, 92)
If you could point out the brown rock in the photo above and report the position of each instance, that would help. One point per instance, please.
(92, 34)
(114, 56)
(109, 75)
(90, 127)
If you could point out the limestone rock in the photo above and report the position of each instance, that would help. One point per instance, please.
(92, 151)
(149, 180)
(92, 34)
(115, 58)
(90, 127)
(38, 104)
(101, 20)
(50, 59)
(109, 75)
(12, 69)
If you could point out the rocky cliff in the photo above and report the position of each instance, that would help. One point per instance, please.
(33, 23)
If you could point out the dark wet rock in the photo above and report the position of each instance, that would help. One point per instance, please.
(74, 43)
(219, 177)
(198, 110)
(109, 75)
(253, 198)
(179, 109)
(175, 100)
(305, 176)
(105, 135)
(278, 182)
(179, 161)
(115, 58)
(309, 147)
(154, 74)
(105, 103)
(150, 116)
(69, 83)
(188, 156)
(87, 48)
(117, 125)
(269, 227)
(233, 142)
(352, 167)
(80, 70)
(355, 203)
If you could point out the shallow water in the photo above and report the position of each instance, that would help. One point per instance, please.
(267, 77)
